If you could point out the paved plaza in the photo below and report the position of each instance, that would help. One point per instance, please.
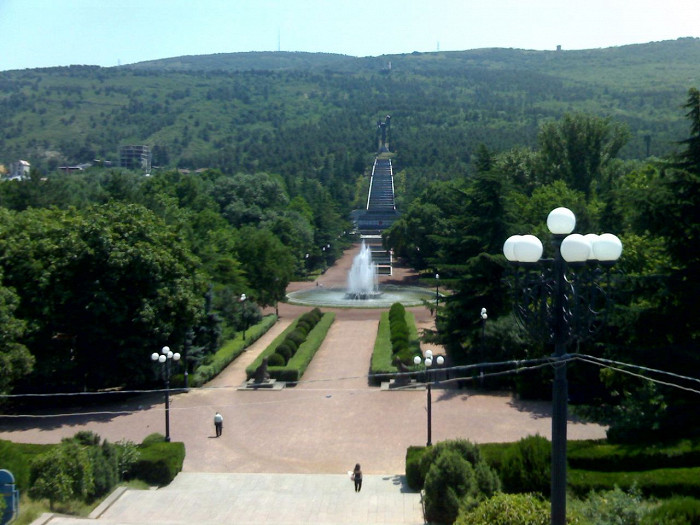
(304, 438)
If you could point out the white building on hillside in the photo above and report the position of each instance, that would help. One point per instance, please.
(19, 170)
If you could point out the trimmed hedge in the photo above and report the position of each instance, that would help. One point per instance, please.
(660, 483)
(297, 364)
(158, 463)
(599, 455)
(382, 367)
(215, 363)
(602, 458)
(526, 466)
(674, 511)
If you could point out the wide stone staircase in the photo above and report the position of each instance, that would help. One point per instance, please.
(246, 499)
(379, 214)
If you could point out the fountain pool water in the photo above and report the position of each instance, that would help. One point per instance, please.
(338, 297)
(363, 290)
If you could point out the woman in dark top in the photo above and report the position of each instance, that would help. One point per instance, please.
(357, 477)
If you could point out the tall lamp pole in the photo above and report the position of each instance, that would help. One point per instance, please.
(561, 304)
(165, 358)
(437, 292)
(483, 316)
(243, 314)
(428, 362)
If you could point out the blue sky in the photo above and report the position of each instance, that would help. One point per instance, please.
(43, 33)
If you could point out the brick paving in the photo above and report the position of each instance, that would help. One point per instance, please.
(324, 425)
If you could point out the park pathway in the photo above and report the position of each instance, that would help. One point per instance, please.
(303, 438)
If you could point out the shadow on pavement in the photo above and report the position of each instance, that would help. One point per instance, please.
(400, 481)
(22, 417)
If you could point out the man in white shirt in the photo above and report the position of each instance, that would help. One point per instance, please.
(218, 423)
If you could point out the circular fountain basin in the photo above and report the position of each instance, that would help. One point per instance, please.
(338, 297)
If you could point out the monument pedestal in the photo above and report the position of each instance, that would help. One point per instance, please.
(401, 385)
(268, 384)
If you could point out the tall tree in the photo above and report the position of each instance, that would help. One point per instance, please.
(15, 359)
(267, 263)
(577, 148)
(102, 288)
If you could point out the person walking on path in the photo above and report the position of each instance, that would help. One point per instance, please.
(357, 478)
(218, 423)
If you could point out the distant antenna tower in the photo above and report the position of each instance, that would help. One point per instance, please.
(279, 40)
(438, 46)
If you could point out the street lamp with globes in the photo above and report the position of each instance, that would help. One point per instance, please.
(242, 300)
(560, 300)
(164, 359)
(428, 361)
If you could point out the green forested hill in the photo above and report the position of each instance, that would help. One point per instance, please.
(292, 112)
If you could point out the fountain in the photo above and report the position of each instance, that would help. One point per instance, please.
(363, 290)
(363, 282)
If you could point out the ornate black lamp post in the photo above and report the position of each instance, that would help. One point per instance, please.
(165, 358)
(561, 299)
(428, 362)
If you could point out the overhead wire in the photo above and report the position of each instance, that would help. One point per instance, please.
(512, 367)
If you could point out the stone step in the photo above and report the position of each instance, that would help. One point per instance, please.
(282, 499)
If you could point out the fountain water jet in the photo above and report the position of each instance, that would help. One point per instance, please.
(363, 282)
(363, 290)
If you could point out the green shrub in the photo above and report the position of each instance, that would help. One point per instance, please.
(510, 509)
(276, 360)
(150, 439)
(450, 480)
(127, 452)
(526, 466)
(86, 438)
(675, 511)
(300, 360)
(414, 478)
(486, 479)
(17, 458)
(296, 366)
(104, 469)
(612, 507)
(158, 463)
(466, 450)
(397, 310)
(297, 337)
(304, 326)
(285, 351)
(383, 365)
(64, 472)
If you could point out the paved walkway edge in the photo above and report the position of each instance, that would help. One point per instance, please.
(107, 503)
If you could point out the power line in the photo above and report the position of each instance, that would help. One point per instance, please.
(514, 367)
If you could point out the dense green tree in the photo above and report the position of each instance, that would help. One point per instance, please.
(15, 359)
(577, 148)
(671, 211)
(248, 199)
(112, 277)
(268, 265)
(690, 157)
